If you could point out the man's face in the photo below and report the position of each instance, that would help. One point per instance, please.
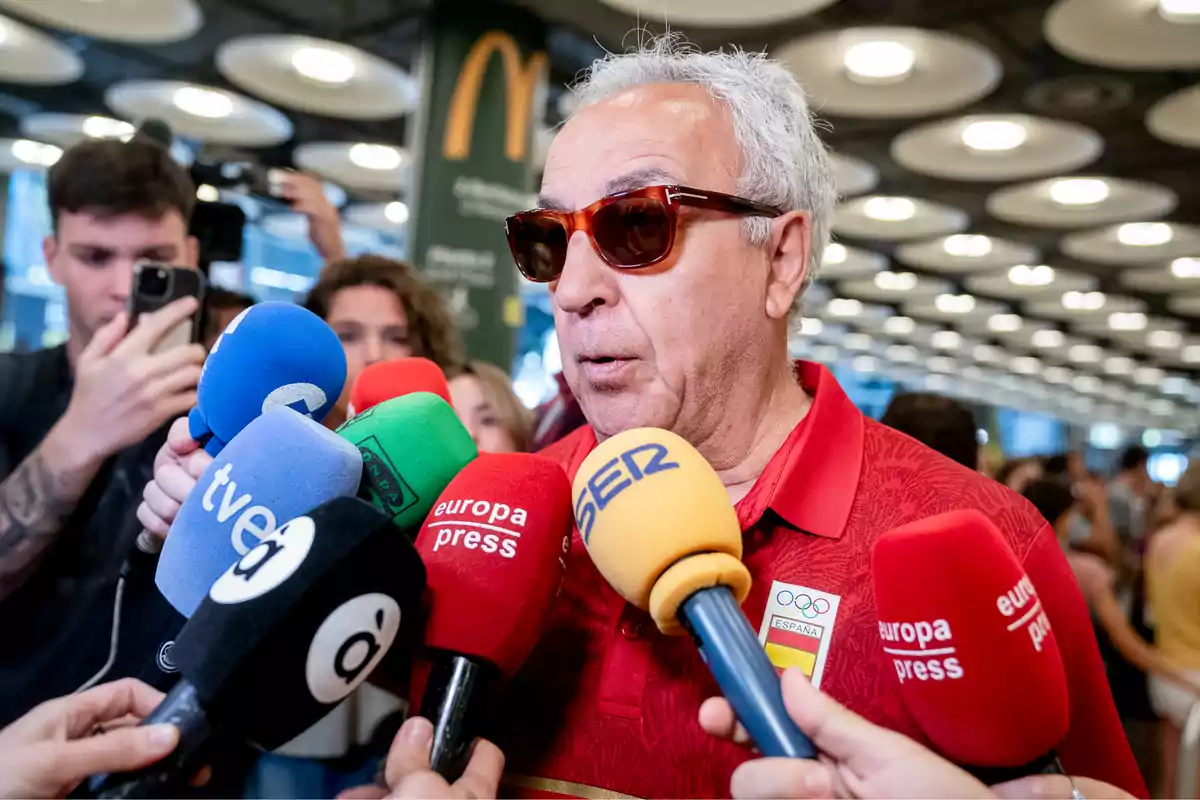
(92, 258)
(655, 346)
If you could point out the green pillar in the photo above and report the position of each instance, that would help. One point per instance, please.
(483, 75)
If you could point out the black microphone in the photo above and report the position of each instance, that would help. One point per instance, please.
(282, 637)
(155, 131)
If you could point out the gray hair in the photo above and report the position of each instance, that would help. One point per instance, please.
(784, 163)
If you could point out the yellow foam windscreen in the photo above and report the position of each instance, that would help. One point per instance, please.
(645, 500)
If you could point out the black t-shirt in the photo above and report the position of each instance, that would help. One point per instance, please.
(56, 629)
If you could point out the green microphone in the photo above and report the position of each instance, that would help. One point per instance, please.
(412, 446)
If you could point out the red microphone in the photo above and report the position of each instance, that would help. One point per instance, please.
(494, 547)
(400, 376)
(974, 655)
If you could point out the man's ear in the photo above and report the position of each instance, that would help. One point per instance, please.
(791, 243)
(50, 255)
(191, 252)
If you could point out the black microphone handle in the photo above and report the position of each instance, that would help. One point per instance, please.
(166, 778)
(455, 699)
(1047, 764)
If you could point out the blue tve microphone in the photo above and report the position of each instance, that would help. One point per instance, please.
(272, 354)
(658, 525)
(279, 466)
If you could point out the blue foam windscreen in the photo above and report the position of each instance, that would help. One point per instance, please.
(272, 354)
(278, 467)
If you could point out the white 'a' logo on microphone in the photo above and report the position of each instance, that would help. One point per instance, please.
(304, 398)
(349, 644)
(268, 564)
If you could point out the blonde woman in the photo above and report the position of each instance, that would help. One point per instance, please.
(1173, 584)
(483, 397)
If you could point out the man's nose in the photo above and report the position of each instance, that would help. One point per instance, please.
(122, 279)
(586, 281)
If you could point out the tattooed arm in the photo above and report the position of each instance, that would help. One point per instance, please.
(35, 501)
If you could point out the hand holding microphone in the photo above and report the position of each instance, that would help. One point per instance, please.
(179, 464)
(50, 750)
(862, 760)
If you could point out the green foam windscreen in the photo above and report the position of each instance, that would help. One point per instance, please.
(412, 447)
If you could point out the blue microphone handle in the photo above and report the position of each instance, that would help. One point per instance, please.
(742, 670)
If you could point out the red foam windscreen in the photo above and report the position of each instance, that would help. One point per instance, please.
(977, 663)
(494, 548)
(400, 376)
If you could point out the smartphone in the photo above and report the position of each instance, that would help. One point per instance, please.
(156, 285)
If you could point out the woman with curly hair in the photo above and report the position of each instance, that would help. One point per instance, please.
(381, 309)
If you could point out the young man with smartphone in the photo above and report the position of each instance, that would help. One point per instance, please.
(80, 424)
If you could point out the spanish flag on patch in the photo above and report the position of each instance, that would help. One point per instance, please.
(792, 645)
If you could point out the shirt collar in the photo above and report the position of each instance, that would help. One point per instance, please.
(812, 480)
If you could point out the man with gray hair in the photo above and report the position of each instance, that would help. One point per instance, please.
(684, 208)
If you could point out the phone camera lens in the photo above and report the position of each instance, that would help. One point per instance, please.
(156, 282)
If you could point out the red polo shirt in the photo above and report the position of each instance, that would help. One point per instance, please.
(607, 706)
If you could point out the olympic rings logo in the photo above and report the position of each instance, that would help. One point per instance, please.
(808, 607)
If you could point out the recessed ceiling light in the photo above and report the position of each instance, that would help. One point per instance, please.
(1085, 354)
(3, 32)
(1004, 323)
(986, 353)
(810, 326)
(890, 209)
(1083, 301)
(1025, 365)
(844, 307)
(879, 62)
(1079, 191)
(1087, 384)
(865, 364)
(1047, 339)
(396, 212)
(942, 364)
(1119, 365)
(375, 156)
(1191, 354)
(1145, 234)
(967, 245)
(106, 128)
(1059, 375)
(896, 281)
(35, 153)
(324, 65)
(1174, 384)
(1127, 321)
(1161, 408)
(1186, 268)
(954, 303)
(201, 102)
(899, 326)
(1164, 340)
(834, 254)
(1185, 11)
(994, 135)
(946, 340)
(1147, 376)
(857, 341)
(1025, 275)
(902, 353)
(937, 383)
(207, 194)
(825, 353)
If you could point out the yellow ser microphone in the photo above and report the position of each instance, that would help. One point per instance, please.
(658, 524)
